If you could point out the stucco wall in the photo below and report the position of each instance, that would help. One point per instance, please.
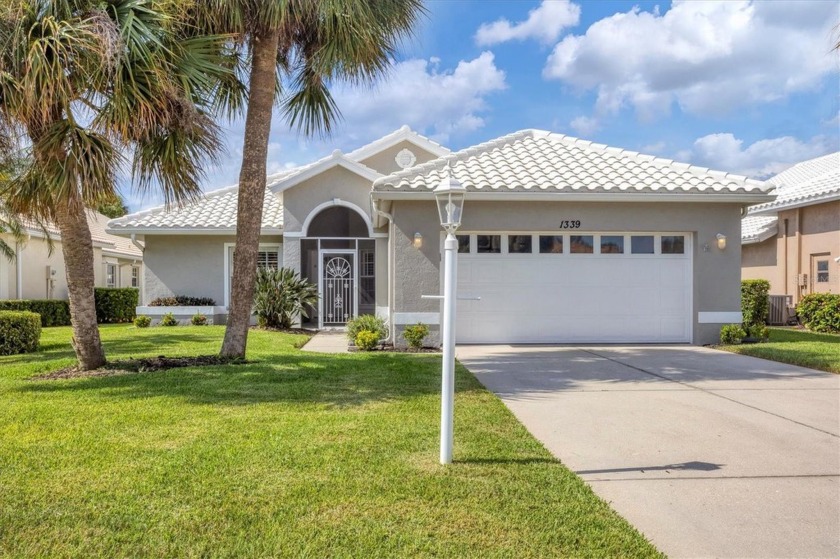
(190, 265)
(717, 274)
(803, 232)
(302, 199)
(385, 161)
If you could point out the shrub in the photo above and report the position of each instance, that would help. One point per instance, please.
(53, 312)
(415, 335)
(759, 332)
(280, 296)
(168, 320)
(115, 304)
(367, 322)
(367, 340)
(732, 334)
(142, 321)
(820, 312)
(198, 319)
(754, 301)
(182, 301)
(20, 332)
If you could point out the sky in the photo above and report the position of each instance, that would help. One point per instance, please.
(748, 87)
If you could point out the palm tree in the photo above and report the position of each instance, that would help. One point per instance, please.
(292, 50)
(82, 84)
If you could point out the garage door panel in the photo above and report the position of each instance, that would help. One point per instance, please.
(557, 298)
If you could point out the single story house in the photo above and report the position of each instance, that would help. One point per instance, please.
(37, 273)
(563, 240)
(794, 240)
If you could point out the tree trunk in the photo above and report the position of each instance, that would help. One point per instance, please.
(77, 247)
(251, 190)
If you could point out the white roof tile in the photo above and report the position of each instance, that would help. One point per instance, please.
(758, 228)
(810, 182)
(535, 160)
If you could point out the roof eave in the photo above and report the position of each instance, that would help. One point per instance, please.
(733, 198)
(128, 231)
(773, 207)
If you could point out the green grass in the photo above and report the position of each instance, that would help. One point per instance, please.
(294, 454)
(797, 347)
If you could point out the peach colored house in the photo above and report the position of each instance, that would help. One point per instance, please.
(794, 241)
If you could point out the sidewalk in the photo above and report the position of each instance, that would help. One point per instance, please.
(327, 342)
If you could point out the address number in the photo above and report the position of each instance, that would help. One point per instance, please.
(572, 224)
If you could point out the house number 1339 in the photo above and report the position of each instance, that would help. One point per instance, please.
(571, 224)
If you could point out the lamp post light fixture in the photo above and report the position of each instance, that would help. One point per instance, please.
(450, 201)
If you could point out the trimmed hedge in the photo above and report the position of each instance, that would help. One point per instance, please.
(20, 332)
(115, 304)
(820, 312)
(183, 301)
(755, 304)
(53, 312)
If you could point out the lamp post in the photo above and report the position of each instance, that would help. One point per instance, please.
(450, 201)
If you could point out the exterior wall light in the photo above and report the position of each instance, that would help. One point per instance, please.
(721, 241)
(418, 240)
(450, 200)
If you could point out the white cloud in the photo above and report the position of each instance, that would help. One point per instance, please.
(585, 126)
(761, 159)
(653, 149)
(545, 23)
(709, 57)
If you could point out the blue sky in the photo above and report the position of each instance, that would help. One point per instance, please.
(745, 87)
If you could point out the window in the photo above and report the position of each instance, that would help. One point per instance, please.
(135, 276)
(673, 244)
(612, 244)
(268, 259)
(581, 244)
(368, 268)
(641, 244)
(463, 244)
(519, 244)
(822, 271)
(488, 244)
(551, 244)
(110, 275)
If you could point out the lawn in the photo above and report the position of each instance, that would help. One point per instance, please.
(797, 347)
(294, 454)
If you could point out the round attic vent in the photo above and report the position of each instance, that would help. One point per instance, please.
(405, 159)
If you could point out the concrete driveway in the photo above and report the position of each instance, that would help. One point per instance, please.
(708, 453)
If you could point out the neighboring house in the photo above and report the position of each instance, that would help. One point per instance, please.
(35, 273)
(794, 241)
(562, 239)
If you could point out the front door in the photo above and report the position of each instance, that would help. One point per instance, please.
(337, 287)
(820, 281)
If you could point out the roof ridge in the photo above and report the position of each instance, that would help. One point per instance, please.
(404, 132)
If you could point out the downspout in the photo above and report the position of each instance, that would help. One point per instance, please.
(799, 254)
(785, 254)
(377, 211)
(142, 269)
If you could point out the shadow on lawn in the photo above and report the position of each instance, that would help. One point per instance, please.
(304, 378)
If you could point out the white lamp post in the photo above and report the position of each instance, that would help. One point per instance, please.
(450, 201)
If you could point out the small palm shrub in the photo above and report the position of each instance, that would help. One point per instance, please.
(732, 334)
(198, 319)
(169, 320)
(142, 321)
(415, 335)
(367, 322)
(281, 296)
(367, 340)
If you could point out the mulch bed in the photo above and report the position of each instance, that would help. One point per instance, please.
(392, 349)
(142, 365)
(286, 330)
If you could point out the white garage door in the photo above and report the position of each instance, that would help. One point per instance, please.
(574, 287)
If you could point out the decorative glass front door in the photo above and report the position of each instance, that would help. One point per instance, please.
(338, 301)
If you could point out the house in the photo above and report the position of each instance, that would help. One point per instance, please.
(794, 240)
(563, 240)
(37, 273)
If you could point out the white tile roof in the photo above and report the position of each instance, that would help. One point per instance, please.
(119, 246)
(403, 133)
(810, 182)
(540, 161)
(758, 228)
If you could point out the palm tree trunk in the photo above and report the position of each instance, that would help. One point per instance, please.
(251, 190)
(77, 247)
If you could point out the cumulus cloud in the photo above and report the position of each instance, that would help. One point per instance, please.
(761, 159)
(545, 23)
(585, 126)
(709, 57)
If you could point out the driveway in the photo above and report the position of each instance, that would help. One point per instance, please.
(707, 453)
